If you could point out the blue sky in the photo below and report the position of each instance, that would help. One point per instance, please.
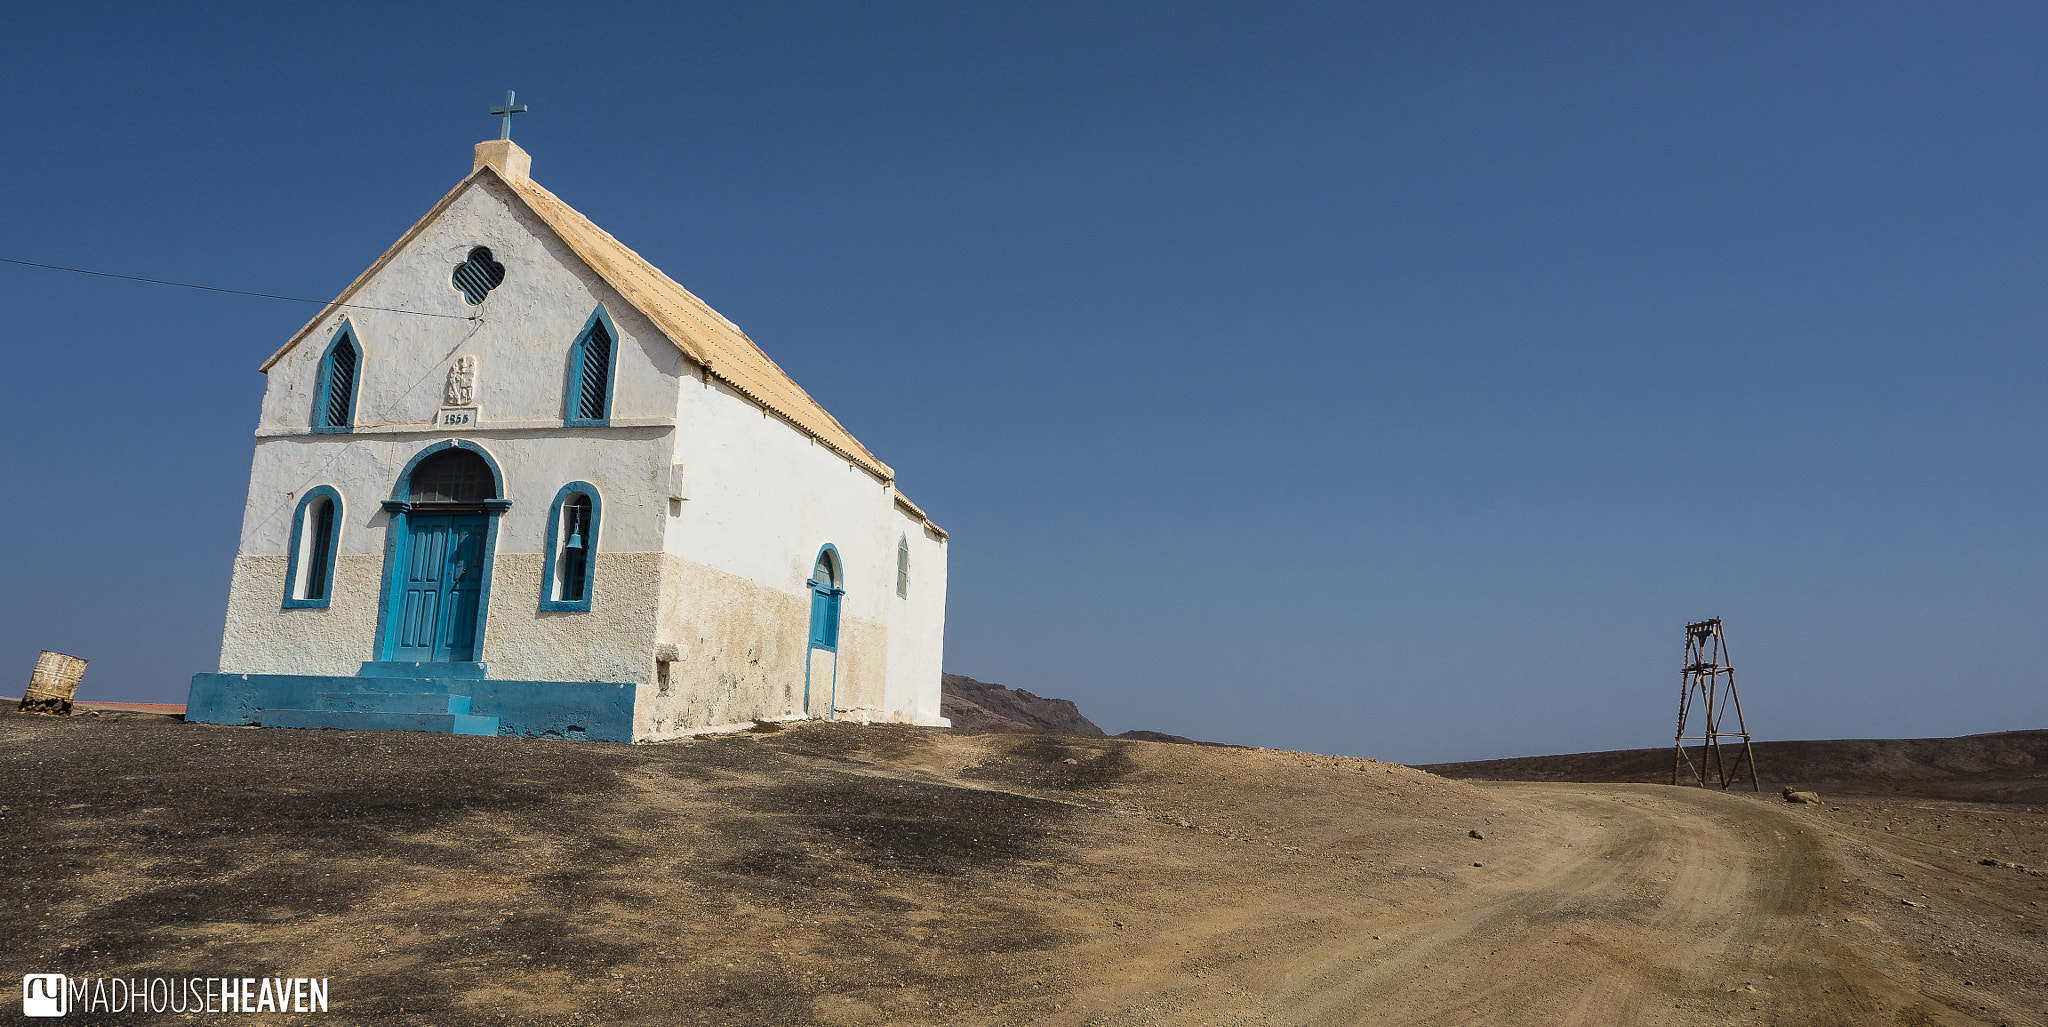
(1386, 380)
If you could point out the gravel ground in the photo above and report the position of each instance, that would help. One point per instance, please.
(835, 874)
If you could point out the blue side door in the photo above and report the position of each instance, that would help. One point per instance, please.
(438, 604)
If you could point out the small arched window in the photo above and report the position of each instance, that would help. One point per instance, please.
(453, 476)
(334, 393)
(316, 540)
(589, 400)
(572, 548)
(903, 566)
(825, 596)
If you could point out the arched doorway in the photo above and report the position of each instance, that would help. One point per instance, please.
(825, 596)
(442, 535)
(821, 666)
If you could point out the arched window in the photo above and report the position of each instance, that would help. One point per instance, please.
(589, 399)
(316, 538)
(334, 392)
(453, 476)
(574, 566)
(566, 581)
(903, 566)
(825, 595)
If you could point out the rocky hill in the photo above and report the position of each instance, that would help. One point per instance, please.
(977, 707)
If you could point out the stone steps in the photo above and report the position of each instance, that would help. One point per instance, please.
(390, 704)
(347, 720)
(439, 697)
(394, 702)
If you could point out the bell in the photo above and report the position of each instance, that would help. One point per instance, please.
(575, 541)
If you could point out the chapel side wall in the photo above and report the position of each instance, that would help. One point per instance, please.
(763, 498)
(917, 628)
(737, 664)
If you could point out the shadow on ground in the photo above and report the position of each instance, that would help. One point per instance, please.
(434, 875)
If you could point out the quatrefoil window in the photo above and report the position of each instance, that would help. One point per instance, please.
(478, 275)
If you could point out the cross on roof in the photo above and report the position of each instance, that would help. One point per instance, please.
(506, 111)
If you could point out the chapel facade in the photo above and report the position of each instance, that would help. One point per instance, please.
(575, 502)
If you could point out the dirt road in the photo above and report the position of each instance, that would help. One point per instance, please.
(846, 875)
(1634, 905)
(1616, 904)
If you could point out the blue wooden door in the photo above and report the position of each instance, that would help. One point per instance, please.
(437, 608)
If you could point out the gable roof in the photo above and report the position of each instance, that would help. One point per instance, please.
(703, 334)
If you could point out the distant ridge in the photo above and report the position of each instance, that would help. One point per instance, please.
(978, 707)
(1161, 736)
(2007, 766)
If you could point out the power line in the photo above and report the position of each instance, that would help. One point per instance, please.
(232, 292)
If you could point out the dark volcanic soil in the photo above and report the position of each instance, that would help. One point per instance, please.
(837, 874)
(729, 881)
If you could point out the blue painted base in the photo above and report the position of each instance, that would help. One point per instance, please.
(395, 669)
(395, 702)
(439, 723)
(599, 711)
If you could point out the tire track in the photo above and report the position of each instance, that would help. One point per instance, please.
(1662, 906)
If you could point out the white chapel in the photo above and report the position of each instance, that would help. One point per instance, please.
(577, 503)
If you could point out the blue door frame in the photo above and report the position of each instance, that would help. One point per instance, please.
(826, 576)
(467, 633)
(441, 574)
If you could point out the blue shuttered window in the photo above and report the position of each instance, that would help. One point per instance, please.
(597, 375)
(588, 399)
(334, 391)
(341, 387)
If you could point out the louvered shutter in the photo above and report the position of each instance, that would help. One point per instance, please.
(341, 385)
(597, 374)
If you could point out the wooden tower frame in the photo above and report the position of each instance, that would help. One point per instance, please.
(1710, 678)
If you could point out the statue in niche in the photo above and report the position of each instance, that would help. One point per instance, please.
(461, 390)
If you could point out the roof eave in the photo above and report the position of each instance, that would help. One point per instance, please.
(918, 512)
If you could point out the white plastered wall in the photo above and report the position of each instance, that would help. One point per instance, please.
(764, 498)
(521, 343)
(719, 576)
(917, 621)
